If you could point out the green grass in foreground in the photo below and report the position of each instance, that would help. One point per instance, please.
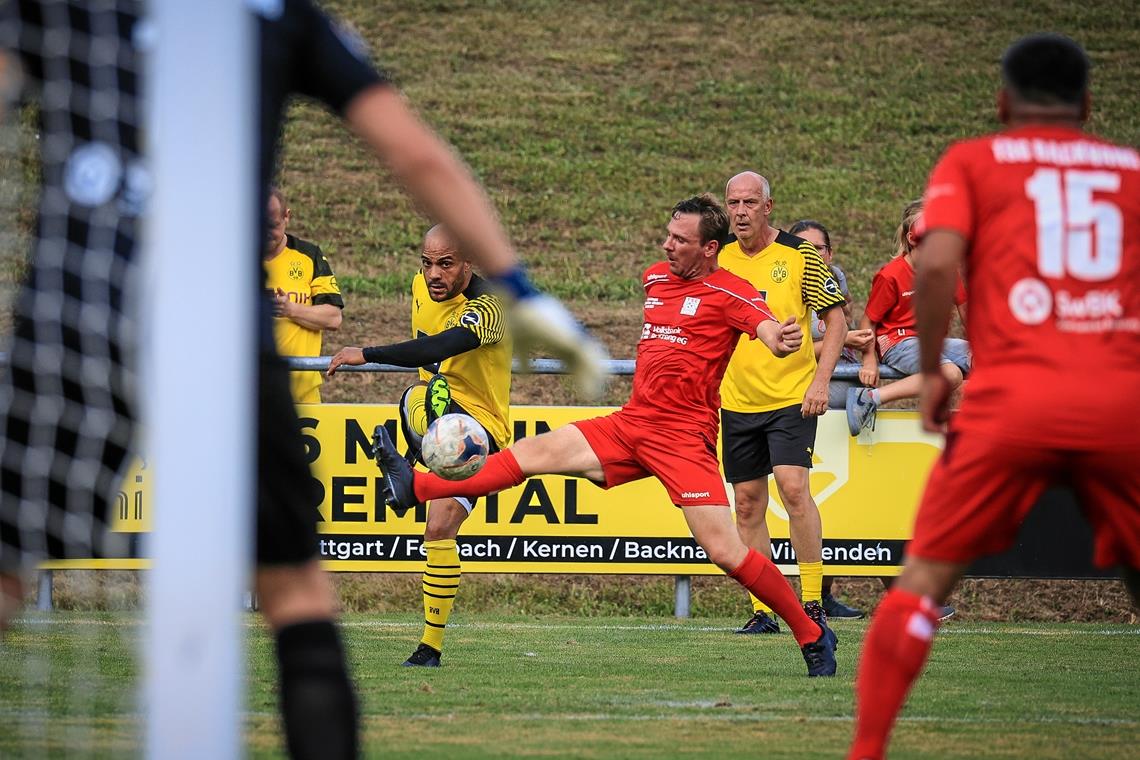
(615, 687)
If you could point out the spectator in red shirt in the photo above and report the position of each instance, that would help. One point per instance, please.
(890, 313)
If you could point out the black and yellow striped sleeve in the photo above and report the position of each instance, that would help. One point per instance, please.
(486, 317)
(820, 288)
(323, 287)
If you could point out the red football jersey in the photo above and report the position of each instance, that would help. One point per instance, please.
(690, 330)
(890, 306)
(1052, 219)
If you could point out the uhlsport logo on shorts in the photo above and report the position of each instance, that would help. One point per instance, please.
(695, 494)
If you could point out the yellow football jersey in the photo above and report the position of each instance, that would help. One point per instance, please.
(793, 279)
(301, 271)
(480, 379)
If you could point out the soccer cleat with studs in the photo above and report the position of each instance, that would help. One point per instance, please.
(398, 474)
(437, 398)
(837, 610)
(424, 657)
(760, 622)
(820, 654)
(814, 610)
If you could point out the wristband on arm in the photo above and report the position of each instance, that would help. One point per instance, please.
(516, 284)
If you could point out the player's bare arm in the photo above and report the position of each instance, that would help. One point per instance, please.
(433, 173)
(782, 339)
(935, 282)
(835, 333)
(322, 316)
(869, 372)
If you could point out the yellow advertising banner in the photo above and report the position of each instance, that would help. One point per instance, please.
(867, 489)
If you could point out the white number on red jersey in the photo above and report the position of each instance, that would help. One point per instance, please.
(1077, 234)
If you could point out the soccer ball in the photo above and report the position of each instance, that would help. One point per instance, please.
(455, 447)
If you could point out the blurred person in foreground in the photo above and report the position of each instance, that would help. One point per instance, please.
(1046, 219)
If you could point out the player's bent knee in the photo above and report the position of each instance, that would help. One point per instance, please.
(445, 516)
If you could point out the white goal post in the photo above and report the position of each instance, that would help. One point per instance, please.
(199, 424)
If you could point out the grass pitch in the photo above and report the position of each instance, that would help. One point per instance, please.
(612, 687)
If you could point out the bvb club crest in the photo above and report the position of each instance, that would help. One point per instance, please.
(780, 271)
(296, 272)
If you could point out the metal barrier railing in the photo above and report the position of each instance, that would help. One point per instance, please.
(843, 370)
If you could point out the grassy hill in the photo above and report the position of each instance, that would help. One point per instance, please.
(587, 120)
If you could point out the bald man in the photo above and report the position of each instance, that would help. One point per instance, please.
(464, 356)
(769, 408)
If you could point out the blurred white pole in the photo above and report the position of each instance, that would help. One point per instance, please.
(199, 423)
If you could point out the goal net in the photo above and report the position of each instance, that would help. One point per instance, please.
(113, 341)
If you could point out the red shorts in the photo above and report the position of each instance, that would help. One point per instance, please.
(684, 461)
(981, 489)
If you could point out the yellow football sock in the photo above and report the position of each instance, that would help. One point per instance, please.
(441, 581)
(811, 581)
(759, 606)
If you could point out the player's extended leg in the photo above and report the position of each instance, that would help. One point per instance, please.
(895, 650)
(563, 451)
(317, 700)
(751, 498)
(977, 496)
(441, 576)
(806, 530)
(714, 530)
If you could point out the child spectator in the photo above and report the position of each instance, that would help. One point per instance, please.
(857, 340)
(890, 313)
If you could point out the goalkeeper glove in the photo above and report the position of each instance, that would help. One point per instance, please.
(540, 320)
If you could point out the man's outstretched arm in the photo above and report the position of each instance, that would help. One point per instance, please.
(419, 352)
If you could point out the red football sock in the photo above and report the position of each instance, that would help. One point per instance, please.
(757, 574)
(500, 472)
(893, 655)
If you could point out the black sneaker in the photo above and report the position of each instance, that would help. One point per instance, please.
(837, 610)
(761, 622)
(946, 613)
(398, 474)
(815, 611)
(437, 399)
(820, 654)
(423, 657)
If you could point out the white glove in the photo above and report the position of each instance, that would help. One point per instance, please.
(542, 321)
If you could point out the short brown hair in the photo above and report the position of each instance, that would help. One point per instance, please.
(714, 220)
